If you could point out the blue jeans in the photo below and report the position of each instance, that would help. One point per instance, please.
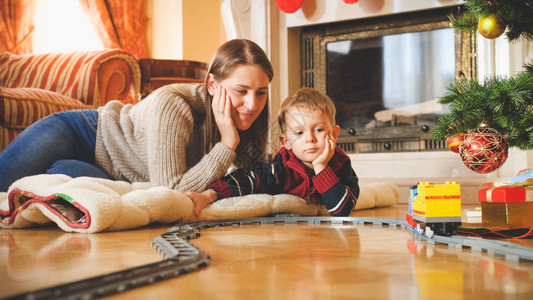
(61, 143)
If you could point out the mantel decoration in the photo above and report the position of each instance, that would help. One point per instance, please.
(290, 6)
(505, 105)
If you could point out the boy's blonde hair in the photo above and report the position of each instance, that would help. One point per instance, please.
(307, 98)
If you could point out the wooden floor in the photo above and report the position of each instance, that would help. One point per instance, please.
(293, 261)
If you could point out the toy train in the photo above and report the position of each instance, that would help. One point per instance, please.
(435, 208)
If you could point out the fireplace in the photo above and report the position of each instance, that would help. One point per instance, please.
(385, 75)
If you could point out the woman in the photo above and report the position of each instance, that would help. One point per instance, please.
(182, 136)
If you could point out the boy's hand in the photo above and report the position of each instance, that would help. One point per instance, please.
(222, 111)
(321, 162)
(201, 200)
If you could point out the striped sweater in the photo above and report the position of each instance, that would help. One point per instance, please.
(162, 139)
(336, 186)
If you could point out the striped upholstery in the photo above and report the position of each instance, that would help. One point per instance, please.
(36, 103)
(79, 75)
(35, 85)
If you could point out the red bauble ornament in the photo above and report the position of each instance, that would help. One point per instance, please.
(350, 1)
(483, 150)
(454, 142)
(289, 6)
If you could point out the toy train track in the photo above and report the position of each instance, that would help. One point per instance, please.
(180, 257)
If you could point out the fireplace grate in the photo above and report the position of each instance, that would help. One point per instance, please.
(308, 63)
(392, 145)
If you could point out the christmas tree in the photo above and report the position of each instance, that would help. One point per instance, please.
(516, 15)
(505, 104)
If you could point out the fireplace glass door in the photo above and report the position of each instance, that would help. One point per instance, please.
(386, 77)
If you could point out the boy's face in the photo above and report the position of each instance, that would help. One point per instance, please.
(305, 133)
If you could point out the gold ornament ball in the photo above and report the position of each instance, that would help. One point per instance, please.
(491, 27)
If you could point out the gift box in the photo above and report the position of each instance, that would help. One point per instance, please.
(507, 215)
(506, 206)
(506, 194)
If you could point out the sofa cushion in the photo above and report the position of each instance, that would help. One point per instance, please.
(20, 107)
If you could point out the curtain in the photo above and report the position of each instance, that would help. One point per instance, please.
(119, 24)
(16, 26)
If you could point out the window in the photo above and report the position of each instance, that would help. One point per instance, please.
(62, 26)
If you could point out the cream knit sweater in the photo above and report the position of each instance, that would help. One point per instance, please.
(161, 140)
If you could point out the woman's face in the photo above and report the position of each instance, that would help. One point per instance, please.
(247, 87)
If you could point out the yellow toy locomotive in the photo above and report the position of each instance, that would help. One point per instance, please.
(435, 208)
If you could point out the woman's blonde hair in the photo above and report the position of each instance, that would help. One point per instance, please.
(234, 53)
(307, 98)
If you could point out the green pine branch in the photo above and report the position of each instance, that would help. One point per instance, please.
(517, 15)
(503, 104)
(467, 22)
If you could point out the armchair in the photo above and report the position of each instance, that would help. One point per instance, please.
(33, 86)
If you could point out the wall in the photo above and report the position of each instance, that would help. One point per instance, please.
(164, 32)
(203, 29)
(184, 29)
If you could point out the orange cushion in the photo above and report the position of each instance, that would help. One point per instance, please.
(20, 107)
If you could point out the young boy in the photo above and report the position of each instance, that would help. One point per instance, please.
(309, 165)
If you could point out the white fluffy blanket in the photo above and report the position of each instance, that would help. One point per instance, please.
(92, 205)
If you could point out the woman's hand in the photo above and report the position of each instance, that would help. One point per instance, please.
(222, 110)
(321, 162)
(201, 200)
